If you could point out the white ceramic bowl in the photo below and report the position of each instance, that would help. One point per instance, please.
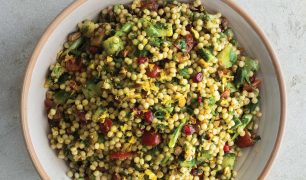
(255, 162)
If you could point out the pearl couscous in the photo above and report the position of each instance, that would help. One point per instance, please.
(152, 90)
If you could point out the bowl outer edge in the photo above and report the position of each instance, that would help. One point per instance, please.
(76, 4)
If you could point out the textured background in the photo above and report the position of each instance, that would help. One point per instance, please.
(23, 21)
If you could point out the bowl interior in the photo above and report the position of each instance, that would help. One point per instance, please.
(249, 166)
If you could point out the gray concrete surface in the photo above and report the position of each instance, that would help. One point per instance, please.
(23, 21)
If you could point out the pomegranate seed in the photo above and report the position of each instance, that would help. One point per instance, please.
(150, 138)
(148, 116)
(188, 129)
(226, 148)
(106, 126)
(200, 99)
(244, 141)
(151, 5)
(142, 60)
(198, 77)
(154, 72)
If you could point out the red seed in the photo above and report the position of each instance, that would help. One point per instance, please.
(226, 148)
(198, 77)
(200, 99)
(120, 155)
(151, 5)
(142, 60)
(188, 129)
(154, 72)
(106, 126)
(150, 138)
(148, 116)
(73, 65)
(244, 141)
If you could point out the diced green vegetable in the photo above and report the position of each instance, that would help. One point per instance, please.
(113, 45)
(188, 164)
(90, 90)
(227, 57)
(61, 97)
(211, 101)
(159, 30)
(57, 71)
(184, 73)
(176, 134)
(204, 156)
(229, 160)
(87, 28)
(126, 28)
(251, 65)
(205, 54)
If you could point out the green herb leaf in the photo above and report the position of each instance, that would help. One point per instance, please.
(211, 101)
(176, 134)
(61, 97)
(240, 77)
(141, 53)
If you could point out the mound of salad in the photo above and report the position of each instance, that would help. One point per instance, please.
(152, 90)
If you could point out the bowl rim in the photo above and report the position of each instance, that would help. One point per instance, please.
(54, 24)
